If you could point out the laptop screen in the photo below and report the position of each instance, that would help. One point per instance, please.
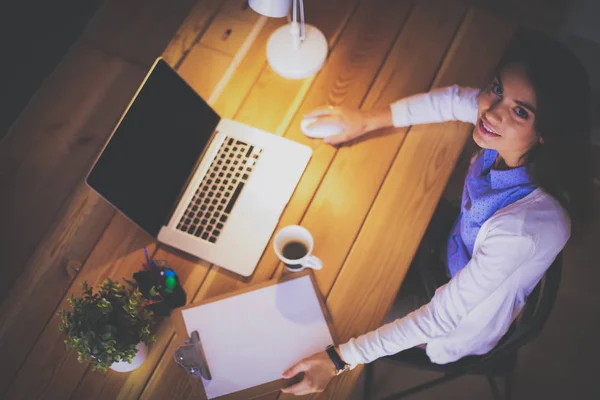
(154, 149)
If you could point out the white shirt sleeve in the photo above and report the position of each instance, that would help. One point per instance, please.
(477, 287)
(453, 103)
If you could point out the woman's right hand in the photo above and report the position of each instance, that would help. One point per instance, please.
(354, 122)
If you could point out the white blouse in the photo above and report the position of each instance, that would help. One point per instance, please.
(512, 251)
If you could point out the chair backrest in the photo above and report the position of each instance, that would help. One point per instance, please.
(534, 315)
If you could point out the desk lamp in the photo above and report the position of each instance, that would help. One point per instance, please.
(295, 50)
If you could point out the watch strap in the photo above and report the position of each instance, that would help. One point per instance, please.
(340, 365)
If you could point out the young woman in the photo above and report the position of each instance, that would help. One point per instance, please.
(525, 188)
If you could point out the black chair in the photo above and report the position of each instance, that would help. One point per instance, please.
(501, 360)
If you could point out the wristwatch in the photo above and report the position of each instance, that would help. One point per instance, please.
(340, 365)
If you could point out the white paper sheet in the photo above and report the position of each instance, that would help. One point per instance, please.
(250, 339)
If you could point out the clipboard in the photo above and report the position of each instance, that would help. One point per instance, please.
(240, 349)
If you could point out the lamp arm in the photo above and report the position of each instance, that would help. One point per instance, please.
(295, 11)
(302, 26)
(297, 30)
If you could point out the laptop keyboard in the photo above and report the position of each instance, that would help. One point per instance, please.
(207, 213)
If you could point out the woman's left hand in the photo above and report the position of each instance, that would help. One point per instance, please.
(318, 370)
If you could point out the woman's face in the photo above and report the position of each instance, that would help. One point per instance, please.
(506, 116)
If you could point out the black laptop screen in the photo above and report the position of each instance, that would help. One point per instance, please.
(154, 149)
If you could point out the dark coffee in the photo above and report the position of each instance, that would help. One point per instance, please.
(294, 250)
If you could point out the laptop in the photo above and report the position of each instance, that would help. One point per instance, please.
(209, 186)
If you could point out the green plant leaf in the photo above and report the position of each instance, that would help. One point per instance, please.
(105, 326)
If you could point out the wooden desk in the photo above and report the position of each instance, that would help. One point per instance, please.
(367, 204)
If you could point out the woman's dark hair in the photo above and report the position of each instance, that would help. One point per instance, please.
(561, 165)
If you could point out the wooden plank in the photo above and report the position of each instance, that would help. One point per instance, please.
(51, 146)
(169, 381)
(226, 34)
(240, 10)
(190, 30)
(49, 371)
(269, 86)
(47, 276)
(203, 67)
(387, 241)
(69, 111)
(322, 15)
(233, 95)
(138, 30)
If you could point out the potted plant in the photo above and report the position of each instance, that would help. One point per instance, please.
(109, 328)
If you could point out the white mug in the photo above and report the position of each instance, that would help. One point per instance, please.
(302, 242)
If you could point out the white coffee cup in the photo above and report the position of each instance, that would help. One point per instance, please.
(294, 245)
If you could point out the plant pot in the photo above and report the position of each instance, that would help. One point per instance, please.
(124, 366)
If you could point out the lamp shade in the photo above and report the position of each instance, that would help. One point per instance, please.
(271, 8)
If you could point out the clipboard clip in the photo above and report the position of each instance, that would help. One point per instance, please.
(191, 357)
